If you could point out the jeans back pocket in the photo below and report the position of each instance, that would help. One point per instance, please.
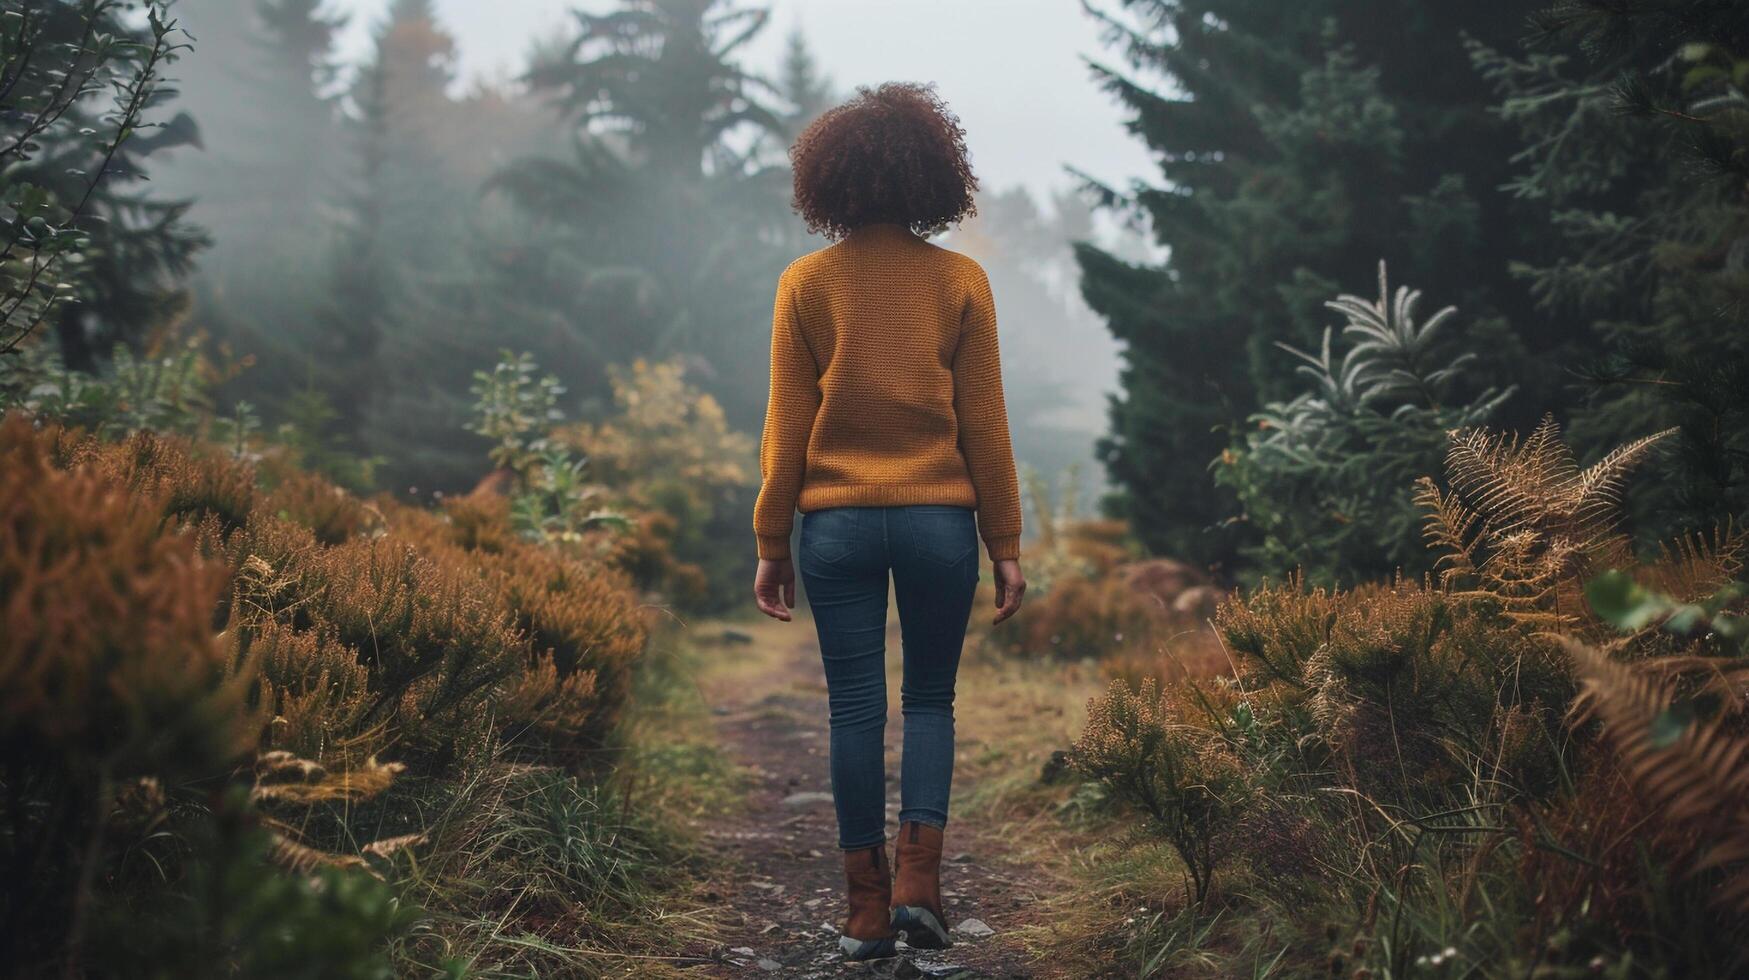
(830, 535)
(944, 535)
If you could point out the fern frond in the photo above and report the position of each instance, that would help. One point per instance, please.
(281, 777)
(1449, 528)
(1598, 489)
(1547, 457)
(388, 847)
(297, 857)
(1696, 779)
(1501, 481)
(1697, 565)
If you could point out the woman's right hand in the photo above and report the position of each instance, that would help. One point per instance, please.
(1010, 586)
(774, 587)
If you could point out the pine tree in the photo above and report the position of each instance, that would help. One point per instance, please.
(663, 74)
(1300, 144)
(806, 91)
(663, 215)
(430, 278)
(264, 180)
(1637, 132)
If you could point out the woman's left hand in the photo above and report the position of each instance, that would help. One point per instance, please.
(774, 587)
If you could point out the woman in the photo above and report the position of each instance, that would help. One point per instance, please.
(887, 428)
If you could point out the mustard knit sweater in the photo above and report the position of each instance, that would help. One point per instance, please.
(886, 389)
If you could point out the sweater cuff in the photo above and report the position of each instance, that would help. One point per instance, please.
(773, 548)
(1006, 548)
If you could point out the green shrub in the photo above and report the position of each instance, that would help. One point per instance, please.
(1325, 477)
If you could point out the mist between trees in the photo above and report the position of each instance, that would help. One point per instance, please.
(366, 236)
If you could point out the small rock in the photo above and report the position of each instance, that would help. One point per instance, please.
(768, 965)
(962, 857)
(807, 799)
(742, 950)
(974, 928)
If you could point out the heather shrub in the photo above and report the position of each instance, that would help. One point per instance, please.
(1084, 616)
(108, 652)
(1186, 780)
(587, 632)
(173, 628)
(1404, 681)
(111, 680)
(438, 641)
(331, 514)
(581, 622)
(315, 689)
(190, 483)
(1481, 771)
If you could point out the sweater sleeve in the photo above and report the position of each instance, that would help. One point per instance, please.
(789, 417)
(983, 423)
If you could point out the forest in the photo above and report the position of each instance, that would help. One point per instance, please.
(379, 444)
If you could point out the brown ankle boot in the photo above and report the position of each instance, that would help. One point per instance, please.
(868, 932)
(917, 911)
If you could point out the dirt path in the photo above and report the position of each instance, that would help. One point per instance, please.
(784, 893)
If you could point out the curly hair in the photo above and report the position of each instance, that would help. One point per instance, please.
(894, 154)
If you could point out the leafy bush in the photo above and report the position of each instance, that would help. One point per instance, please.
(71, 244)
(668, 453)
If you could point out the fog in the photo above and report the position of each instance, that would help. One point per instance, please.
(394, 198)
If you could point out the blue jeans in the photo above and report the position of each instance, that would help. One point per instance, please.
(845, 557)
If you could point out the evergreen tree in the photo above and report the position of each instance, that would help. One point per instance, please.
(405, 217)
(660, 235)
(90, 252)
(1636, 130)
(805, 90)
(1299, 145)
(430, 279)
(264, 181)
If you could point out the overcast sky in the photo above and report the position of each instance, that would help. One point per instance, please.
(1012, 69)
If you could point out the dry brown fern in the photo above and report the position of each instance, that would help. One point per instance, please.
(1694, 774)
(1523, 523)
(1696, 565)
